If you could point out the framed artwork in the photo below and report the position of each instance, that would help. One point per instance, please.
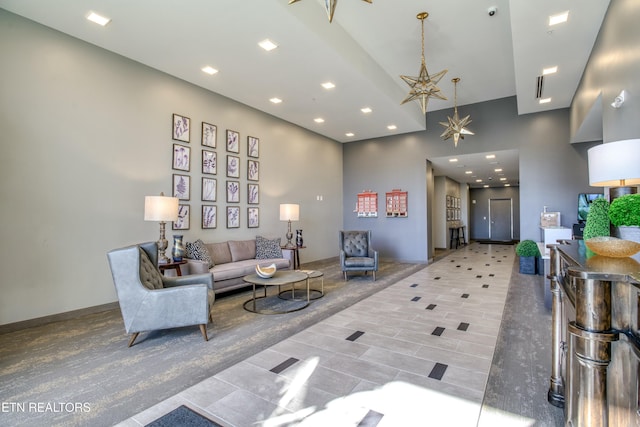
(209, 189)
(233, 192)
(184, 214)
(233, 216)
(253, 217)
(233, 167)
(182, 186)
(181, 157)
(253, 170)
(253, 147)
(209, 135)
(253, 194)
(233, 141)
(181, 128)
(209, 216)
(209, 162)
(448, 202)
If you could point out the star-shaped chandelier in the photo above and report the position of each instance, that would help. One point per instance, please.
(424, 86)
(456, 127)
(330, 5)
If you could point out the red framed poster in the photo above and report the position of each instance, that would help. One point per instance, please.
(397, 204)
(367, 205)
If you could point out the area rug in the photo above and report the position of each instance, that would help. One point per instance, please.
(183, 416)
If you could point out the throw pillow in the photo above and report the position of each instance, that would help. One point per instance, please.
(197, 250)
(267, 249)
(149, 274)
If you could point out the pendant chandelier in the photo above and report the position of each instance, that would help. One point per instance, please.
(424, 86)
(330, 5)
(456, 126)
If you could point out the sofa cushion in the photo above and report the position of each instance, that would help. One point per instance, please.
(242, 249)
(149, 274)
(219, 252)
(198, 250)
(266, 249)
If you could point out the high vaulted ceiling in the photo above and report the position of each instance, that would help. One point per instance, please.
(363, 52)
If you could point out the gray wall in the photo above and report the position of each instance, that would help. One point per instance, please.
(86, 134)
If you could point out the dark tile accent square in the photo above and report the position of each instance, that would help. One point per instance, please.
(438, 371)
(458, 266)
(436, 278)
(479, 276)
(438, 331)
(487, 265)
(354, 336)
(463, 326)
(485, 286)
(491, 275)
(372, 419)
(431, 306)
(284, 365)
(415, 285)
(469, 269)
(499, 260)
(415, 299)
(465, 296)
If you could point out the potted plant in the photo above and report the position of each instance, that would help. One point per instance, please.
(597, 220)
(624, 214)
(528, 251)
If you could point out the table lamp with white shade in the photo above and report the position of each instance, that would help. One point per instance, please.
(616, 165)
(161, 208)
(289, 212)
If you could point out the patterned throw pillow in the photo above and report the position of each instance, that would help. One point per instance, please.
(267, 249)
(197, 250)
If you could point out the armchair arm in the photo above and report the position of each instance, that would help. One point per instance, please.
(192, 279)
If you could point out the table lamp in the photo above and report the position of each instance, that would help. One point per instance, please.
(289, 212)
(616, 165)
(161, 208)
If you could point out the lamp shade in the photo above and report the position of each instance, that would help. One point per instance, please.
(615, 164)
(160, 208)
(289, 212)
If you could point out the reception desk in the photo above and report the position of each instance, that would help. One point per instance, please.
(595, 336)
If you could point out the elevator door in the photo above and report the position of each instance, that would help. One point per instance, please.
(501, 219)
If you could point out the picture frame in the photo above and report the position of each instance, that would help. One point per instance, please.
(209, 162)
(233, 216)
(253, 194)
(209, 135)
(253, 170)
(209, 216)
(233, 192)
(181, 128)
(209, 189)
(233, 166)
(253, 217)
(181, 186)
(181, 157)
(233, 141)
(253, 147)
(184, 218)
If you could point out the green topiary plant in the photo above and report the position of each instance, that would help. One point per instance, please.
(527, 248)
(597, 220)
(625, 210)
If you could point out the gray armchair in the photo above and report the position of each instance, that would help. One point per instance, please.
(356, 252)
(150, 301)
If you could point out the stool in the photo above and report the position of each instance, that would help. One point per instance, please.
(454, 237)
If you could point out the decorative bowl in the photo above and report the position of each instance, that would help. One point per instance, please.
(266, 272)
(612, 246)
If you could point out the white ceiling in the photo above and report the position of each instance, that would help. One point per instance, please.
(364, 51)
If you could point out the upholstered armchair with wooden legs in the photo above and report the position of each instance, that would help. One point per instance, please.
(357, 253)
(150, 301)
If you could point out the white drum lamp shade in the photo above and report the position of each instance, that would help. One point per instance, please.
(615, 164)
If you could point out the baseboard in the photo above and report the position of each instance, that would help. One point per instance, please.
(25, 324)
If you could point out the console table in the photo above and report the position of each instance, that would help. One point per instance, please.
(595, 336)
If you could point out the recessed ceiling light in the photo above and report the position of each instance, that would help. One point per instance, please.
(276, 100)
(392, 127)
(503, 179)
(267, 45)
(545, 100)
(319, 120)
(209, 70)
(549, 70)
(468, 172)
(350, 134)
(559, 18)
(478, 180)
(328, 85)
(497, 170)
(98, 19)
(366, 110)
(490, 156)
(453, 160)
(507, 185)
(486, 186)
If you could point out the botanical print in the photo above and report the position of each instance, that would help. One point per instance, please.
(181, 128)
(253, 146)
(181, 186)
(209, 216)
(253, 197)
(183, 218)
(209, 162)
(233, 141)
(253, 170)
(209, 189)
(253, 217)
(181, 155)
(233, 192)
(209, 134)
(233, 167)
(233, 217)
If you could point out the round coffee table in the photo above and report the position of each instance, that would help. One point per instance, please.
(299, 294)
(275, 305)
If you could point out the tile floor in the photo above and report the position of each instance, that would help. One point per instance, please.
(416, 353)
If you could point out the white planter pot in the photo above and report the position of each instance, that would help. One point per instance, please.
(627, 233)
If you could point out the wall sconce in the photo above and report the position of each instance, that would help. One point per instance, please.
(617, 165)
(619, 100)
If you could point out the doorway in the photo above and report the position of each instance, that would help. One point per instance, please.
(501, 219)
